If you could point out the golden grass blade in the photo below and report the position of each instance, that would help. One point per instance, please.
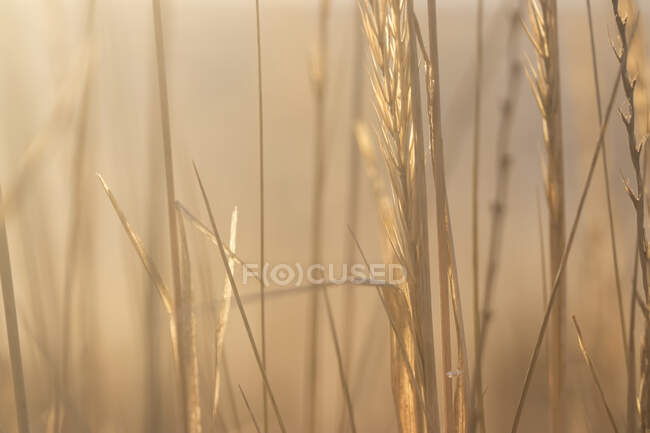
(171, 195)
(260, 107)
(149, 266)
(594, 375)
(240, 305)
(224, 311)
(13, 337)
(208, 233)
(188, 339)
(250, 411)
(396, 333)
(545, 82)
(556, 281)
(147, 262)
(446, 255)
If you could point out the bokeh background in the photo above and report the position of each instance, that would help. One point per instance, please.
(121, 376)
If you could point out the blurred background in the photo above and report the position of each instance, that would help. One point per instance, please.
(75, 269)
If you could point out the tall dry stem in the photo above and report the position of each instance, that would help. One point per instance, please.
(224, 312)
(13, 337)
(240, 305)
(447, 272)
(395, 81)
(557, 278)
(499, 207)
(475, 227)
(260, 115)
(319, 81)
(352, 210)
(189, 422)
(545, 82)
(637, 195)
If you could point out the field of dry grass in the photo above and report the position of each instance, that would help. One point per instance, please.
(151, 151)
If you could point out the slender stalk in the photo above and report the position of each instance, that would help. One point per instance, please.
(443, 255)
(631, 380)
(13, 337)
(545, 82)
(188, 351)
(610, 214)
(420, 290)
(77, 213)
(224, 313)
(73, 243)
(171, 204)
(542, 255)
(250, 411)
(480, 406)
(447, 273)
(594, 375)
(260, 107)
(230, 389)
(503, 164)
(567, 249)
(319, 81)
(628, 116)
(352, 211)
(240, 305)
(396, 334)
(339, 359)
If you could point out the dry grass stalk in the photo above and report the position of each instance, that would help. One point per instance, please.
(147, 262)
(13, 337)
(637, 64)
(260, 114)
(240, 305)
(594, 375)
(187, 415)
(318, 81)
(396, 334)
(151, 269)
(567, 249)
(224, 311)
(394, 81)
(540, 229)
(610, 214)
(250, 411)
(184, 355)
(339, 358)
(545, 83)
(394, 302)
(354, 172)
(629, 118)
(498, 211)
(188, 338)
(628, 356)
(74, 238)
(455, 415)
(230, 389)
(475, 228)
